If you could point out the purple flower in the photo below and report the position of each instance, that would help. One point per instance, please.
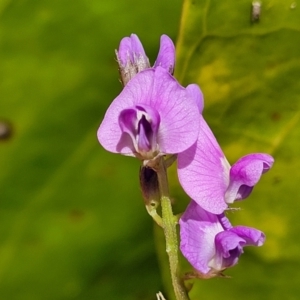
(132, 58)
(207, 177)
(153, 115)
(210, 243)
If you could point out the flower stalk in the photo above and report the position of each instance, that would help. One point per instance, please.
(169, 222)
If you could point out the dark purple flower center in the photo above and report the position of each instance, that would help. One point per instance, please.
(141, 123)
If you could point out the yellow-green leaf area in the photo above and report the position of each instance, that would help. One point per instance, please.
(249, 74)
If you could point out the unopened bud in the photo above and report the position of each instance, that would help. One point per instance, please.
(131, 58)
(149, 186)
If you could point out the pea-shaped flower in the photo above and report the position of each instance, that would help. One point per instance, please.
(206, 175)
(210, 243)
(152, 116)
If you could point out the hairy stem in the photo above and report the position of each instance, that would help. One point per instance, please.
(169, 222)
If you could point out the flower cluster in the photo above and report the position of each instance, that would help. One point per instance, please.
(155, 116)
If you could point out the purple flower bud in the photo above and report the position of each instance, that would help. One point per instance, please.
(149, 186)
(132, 58)
(166, 54)
(210, 243)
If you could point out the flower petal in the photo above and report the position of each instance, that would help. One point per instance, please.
(141, 123)
(252, 236)
(109, 134)
(203, 171)
(166, 54)
(198, 229)
(230, 243)
(179, 117)
(196, 93)
(245, 174)
(229, 247)
(156, 88)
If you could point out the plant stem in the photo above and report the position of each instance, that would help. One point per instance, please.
(169, 225)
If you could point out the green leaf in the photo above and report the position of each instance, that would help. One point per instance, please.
(72, 220)
(249, 74)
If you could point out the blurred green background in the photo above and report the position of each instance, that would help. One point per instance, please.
(72, 221)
